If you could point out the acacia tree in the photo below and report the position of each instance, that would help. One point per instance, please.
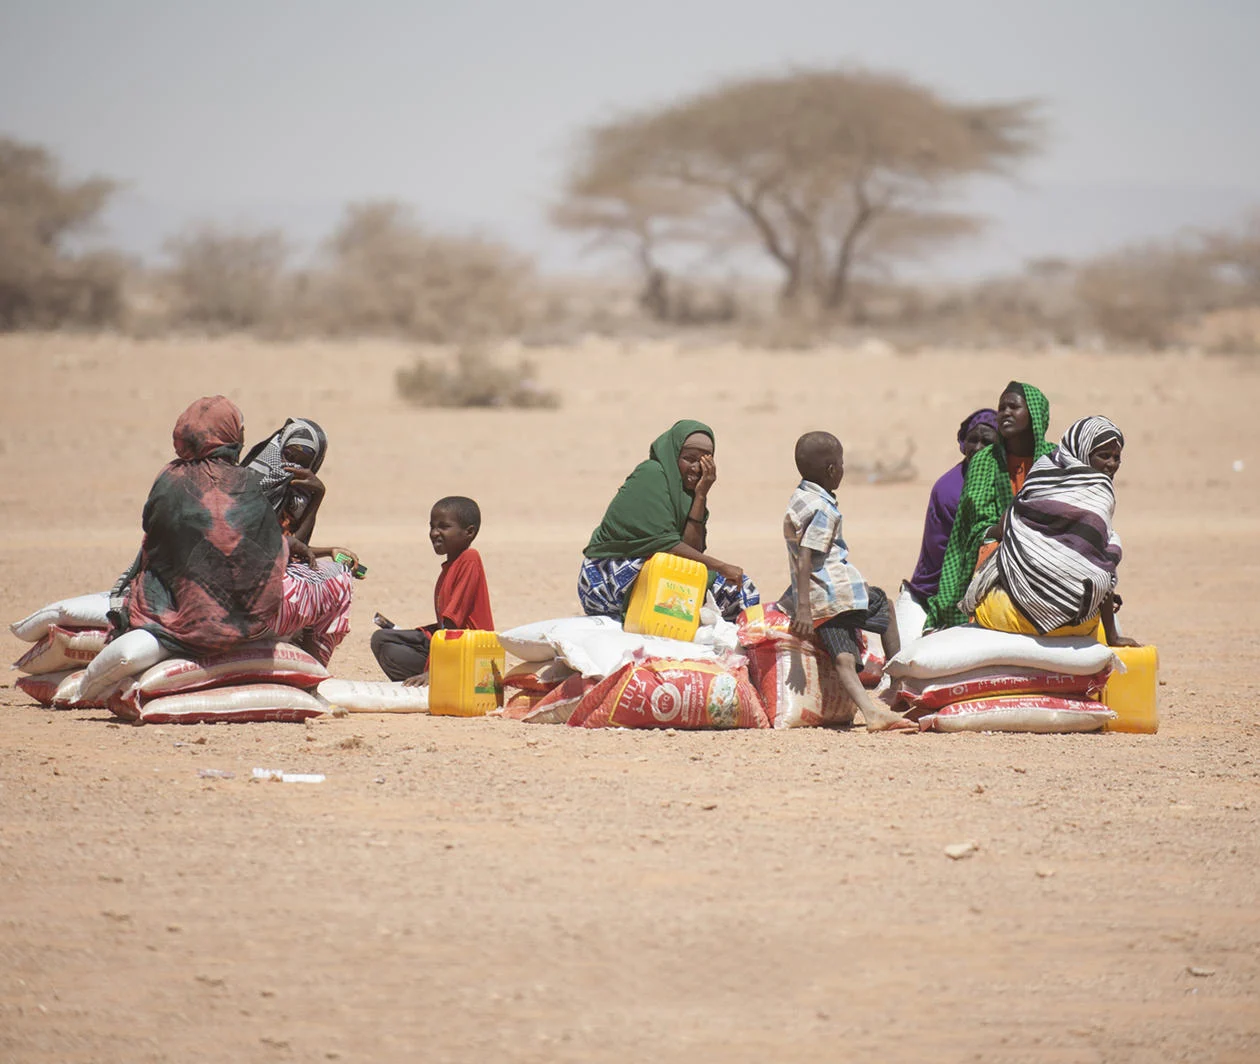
(43, 281)
(822, 170)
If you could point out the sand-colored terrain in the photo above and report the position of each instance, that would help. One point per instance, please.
(484, 890)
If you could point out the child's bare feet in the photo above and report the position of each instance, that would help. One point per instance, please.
(880, 718)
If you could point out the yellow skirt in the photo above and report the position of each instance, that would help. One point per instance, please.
(997, 612)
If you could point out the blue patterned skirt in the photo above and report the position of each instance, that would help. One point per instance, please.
(604, 584)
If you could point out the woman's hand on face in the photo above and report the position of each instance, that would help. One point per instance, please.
(304, 478)
(708, 474)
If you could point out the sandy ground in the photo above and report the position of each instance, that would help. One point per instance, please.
(485, 890)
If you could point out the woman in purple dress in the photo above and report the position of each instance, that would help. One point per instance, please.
(977, 430)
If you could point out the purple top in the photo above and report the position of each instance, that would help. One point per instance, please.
(942, 507)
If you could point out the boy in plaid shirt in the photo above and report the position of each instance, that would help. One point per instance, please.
(828, 600)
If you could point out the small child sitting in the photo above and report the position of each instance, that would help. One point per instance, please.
(461, 598)
(828, 600)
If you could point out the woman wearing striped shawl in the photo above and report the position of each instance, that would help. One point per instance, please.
(1056, 564)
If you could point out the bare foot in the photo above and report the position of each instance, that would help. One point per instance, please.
(880, 718)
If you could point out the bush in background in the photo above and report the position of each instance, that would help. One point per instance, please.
(472, 379)
(44, 282)
(227, 280)
(388, 275)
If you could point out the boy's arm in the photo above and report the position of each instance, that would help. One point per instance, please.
(803, 621)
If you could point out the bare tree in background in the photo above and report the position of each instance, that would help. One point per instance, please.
(640, 216)
(824, 170)
(388, 274)
(43, 281)
(231, 280)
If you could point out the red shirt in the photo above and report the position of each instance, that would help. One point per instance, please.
(461, 596)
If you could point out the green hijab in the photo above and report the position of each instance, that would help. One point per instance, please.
(986, 495)
(649, 511)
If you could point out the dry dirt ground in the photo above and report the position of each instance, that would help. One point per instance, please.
(484, 890)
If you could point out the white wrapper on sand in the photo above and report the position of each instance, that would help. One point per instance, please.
(127, 655)
(374, 696)
(82, 611)
(958, 649)
(533, 642)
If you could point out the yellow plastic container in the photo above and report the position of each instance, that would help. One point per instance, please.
(1132, 693)
(666, 597)
(465, 673)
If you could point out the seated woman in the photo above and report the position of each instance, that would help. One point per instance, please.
(994, 475)
(978, 430)
(210, 572)
(315, 587)
(1054, 572)
(662, 506)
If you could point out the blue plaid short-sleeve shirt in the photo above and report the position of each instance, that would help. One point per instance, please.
(835, 586)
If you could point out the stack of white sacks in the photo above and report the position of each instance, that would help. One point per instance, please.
(70, 666)
(973, 679)
(562, 660)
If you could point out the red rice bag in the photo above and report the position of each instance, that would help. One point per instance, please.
(557, 706)
(62, 649)
(799, 684)
(252, 702)
(1020, 713)
(993, 680)
(280, 663)
(520, 705)
(759, 625)
(537, 675)
(43, 687)
(662, 693)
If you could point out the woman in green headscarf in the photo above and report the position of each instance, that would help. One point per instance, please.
(994, 477)
(662, 506)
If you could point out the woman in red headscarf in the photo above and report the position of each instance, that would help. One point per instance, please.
(210, 570)
(211, 573)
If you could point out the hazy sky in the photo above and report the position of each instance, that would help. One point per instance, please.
(281, 111)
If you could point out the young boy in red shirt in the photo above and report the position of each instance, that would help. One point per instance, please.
(461, 598)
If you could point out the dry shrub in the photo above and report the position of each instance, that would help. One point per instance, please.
(473, 379)
(389, 275)
(43, 282)
(227, 280)
(1139, 296)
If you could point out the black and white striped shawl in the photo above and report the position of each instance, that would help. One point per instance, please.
(1059, 552)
